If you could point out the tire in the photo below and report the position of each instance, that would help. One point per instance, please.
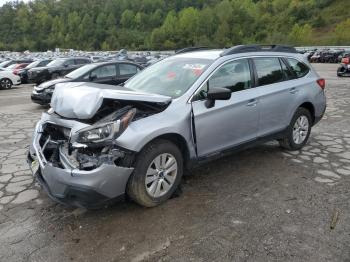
(290, 142)
(138, 190)
(341, 71)
(6, 83)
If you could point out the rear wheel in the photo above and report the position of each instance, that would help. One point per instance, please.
(157, 174)
(6, 83)
(298, 131)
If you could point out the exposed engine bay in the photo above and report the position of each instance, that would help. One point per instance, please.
(96, 146)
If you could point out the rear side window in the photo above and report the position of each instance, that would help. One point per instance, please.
(269, 70)
(299, 68)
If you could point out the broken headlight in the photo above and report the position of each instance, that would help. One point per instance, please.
(105, 131)
(49, 90)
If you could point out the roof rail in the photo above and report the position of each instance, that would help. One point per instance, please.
(191, 49)
(258, 48)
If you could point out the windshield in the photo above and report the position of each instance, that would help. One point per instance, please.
(80, 71)
(4, 63)
(12, 66)
(34, 64)
(170, 77)
(57, 62)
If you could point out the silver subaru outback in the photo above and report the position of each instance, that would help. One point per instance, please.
(99, 142)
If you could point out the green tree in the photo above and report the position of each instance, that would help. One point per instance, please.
(300, 35)
(342, 32)
(127, 19)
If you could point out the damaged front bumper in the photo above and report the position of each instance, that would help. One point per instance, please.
(40, 97)
(65, 182)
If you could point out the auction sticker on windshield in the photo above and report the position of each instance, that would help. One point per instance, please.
(197, 69)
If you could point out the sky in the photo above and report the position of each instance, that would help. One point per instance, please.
(4, 1)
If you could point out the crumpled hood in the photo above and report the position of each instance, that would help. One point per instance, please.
(53, 82)
(82, 100)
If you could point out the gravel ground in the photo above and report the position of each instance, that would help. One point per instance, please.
(261, 204)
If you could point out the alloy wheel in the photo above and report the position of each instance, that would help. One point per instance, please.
(161, 175)
(6, 83)
(300, 129)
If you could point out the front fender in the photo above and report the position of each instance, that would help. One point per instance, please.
(170, 121)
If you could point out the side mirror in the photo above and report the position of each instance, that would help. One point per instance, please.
(217, 93)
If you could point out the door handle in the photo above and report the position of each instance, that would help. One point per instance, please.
(293, 90)
(252, 102)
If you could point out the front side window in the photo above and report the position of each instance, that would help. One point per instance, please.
(170, 77)
(104, 71)
(233, 75)
(299, 68)
(69, 62)
(269, 70)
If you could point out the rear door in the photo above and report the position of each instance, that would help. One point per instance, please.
(277, 94)
(125, 71)
(230, 122)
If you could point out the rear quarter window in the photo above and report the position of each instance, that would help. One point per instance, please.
(299, 68)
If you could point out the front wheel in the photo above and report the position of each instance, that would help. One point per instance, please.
(298, 131)
(157, 174)
(5, 83)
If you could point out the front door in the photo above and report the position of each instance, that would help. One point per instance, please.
(230, 122)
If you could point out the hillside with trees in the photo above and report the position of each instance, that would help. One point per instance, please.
(169, 24)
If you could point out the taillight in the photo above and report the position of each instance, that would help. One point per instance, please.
(321, 82)
(345, 60)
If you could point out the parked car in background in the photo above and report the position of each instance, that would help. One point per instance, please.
(344, 68)
(97, 59)
(112, 73)
(56, 68)
(8, 79)
(8, 63)
(23, 73)
(16, 67)
(100, 142)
